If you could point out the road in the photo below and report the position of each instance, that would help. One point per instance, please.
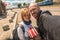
(55, 9)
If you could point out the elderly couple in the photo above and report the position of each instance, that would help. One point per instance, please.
(35, 10)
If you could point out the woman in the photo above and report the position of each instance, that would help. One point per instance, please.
(24, 26)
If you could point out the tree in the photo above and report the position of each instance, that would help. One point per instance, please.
(19, 5)
(2, 9)
(39, 0)
(24, 4)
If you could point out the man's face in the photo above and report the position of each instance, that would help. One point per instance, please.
(34, 10)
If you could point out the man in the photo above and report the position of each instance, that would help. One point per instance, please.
(36, 12)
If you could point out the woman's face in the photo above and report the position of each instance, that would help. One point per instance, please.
(26, 17)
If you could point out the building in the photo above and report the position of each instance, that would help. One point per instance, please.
(2, 8)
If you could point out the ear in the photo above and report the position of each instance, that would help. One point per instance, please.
(38, 7)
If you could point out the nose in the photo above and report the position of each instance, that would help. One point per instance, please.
(32, 12)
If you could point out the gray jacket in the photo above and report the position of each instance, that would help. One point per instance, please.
(50, 26)
(23, 35)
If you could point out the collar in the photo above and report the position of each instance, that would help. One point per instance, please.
(27, 23)
(39, 13)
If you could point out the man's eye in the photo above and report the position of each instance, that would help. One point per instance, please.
(30, 10)
(33, 9)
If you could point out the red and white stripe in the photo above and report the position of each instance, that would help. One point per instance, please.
(32, 32)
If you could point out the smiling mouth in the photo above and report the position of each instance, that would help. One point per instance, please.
(33, 13)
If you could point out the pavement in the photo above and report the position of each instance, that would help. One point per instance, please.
(55, 10)
(5, 21)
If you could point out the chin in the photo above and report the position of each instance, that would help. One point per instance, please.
(27, 20)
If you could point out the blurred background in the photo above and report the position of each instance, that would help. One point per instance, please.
(10, 15)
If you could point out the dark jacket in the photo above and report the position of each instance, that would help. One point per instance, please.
(41, 30)
(49, 26)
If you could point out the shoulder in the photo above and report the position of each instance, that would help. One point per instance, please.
(21, 23)
(46, 12)
(20, 27)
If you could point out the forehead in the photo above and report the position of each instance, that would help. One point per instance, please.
(32, 7)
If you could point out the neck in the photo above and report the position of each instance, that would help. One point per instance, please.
(27, 23)
(38, 14)
(36, 17)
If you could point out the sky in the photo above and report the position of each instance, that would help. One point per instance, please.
(19, 0)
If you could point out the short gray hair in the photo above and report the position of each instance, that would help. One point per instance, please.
(33, 4)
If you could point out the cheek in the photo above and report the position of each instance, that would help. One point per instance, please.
(36, 11)
(26, 18)
(34, 15)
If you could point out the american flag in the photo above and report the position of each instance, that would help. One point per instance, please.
(32, 32)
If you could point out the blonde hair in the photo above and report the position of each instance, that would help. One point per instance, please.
(24, 11)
